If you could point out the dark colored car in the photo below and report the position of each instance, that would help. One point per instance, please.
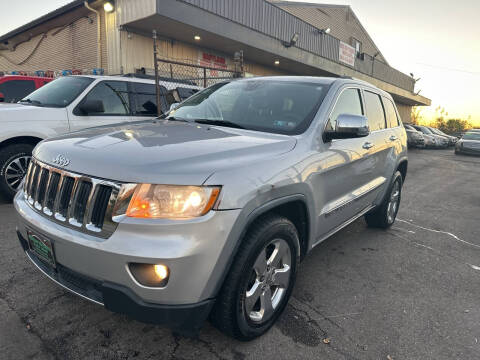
(414, 138)
(15, 87)
(469, 144)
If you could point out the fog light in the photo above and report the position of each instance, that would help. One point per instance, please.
(161, 271)
(152, 275)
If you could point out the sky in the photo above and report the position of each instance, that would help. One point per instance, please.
(436, 40)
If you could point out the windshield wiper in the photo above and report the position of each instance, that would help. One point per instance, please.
(220, 123)
(30, 101)
(173, 118)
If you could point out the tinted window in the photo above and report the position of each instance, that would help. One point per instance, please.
(145, 100)
(349, 102)
(60, 92)
(375, 114)
(113, 94)
(278, 106)
(15, 90)
(392, 119)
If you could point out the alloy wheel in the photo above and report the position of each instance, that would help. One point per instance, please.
(269, 280)
(15, 171)
(393, 203)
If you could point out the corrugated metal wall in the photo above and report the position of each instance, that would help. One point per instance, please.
(273, 21)
(131, 10)
(71, 47)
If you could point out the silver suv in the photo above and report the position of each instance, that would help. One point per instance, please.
(209, 210)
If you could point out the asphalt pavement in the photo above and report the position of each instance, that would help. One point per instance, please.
(411, 292)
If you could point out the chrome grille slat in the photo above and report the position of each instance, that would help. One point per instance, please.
(72, 199)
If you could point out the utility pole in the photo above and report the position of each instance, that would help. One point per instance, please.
(155, 63)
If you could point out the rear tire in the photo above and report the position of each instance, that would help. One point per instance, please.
(384, 215)
(14, 160)
(261, 279)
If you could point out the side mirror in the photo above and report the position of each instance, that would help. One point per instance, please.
(2, 98)
(174, 106)
(348, 127)
(91, 107)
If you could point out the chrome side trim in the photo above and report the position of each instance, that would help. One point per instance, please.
(352, 196)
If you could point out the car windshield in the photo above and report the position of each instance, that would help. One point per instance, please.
(283, 107)
(58, 93)
(472, 136)
(425, 130)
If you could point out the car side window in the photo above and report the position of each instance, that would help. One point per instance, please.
(145, 99)
(375, 112)
(392, 119)
(113, 94)
(349, 102)
(16, 90)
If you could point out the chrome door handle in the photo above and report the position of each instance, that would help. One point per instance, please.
(393, 138)
(367, 145)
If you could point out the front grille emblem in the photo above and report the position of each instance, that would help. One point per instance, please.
(61, 160)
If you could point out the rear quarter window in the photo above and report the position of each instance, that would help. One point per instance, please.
(391, 114)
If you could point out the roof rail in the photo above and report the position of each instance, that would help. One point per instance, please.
(160, 78)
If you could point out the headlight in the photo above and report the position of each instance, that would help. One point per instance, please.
(171, 201)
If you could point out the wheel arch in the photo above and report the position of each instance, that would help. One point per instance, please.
(284, 206)
(32, 140)
(402, 167)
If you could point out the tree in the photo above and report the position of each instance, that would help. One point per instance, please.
(416, 115)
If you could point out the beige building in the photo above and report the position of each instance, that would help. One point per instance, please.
(277, 37)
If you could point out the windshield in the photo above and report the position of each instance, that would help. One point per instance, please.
(471, 136)
(424, 130)
(283, 107)
(58, 93)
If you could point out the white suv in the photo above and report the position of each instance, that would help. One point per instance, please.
(69, 104)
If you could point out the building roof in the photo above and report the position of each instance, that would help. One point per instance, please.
(42, 19)
(326, 9)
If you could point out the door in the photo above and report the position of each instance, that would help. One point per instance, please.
(114, 97)
(344, 170)
(381, 136)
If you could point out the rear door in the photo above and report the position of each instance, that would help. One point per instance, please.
(383, 140)
(116, 103)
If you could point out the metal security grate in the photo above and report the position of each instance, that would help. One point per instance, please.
(73, 200)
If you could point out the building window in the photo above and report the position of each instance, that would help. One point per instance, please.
(357, 45)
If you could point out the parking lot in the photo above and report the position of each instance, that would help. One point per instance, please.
(411, 292)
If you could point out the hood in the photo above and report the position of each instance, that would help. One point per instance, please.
(14, 112)
(161, 151)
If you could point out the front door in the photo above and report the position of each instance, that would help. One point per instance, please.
(344, 170)
(116, 106)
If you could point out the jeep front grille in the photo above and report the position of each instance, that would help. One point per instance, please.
(73, 200)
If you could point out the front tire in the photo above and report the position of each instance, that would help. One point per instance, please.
(384, 216)
(260, 281)
(14, 160)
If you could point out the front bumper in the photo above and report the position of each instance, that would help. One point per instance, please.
(120, 299)
(191, 249)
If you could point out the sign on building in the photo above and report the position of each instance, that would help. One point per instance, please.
(346, 54)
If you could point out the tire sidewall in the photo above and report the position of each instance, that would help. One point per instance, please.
(278, 231)
(396, 178)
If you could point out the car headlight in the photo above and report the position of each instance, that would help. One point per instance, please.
(168, 201)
